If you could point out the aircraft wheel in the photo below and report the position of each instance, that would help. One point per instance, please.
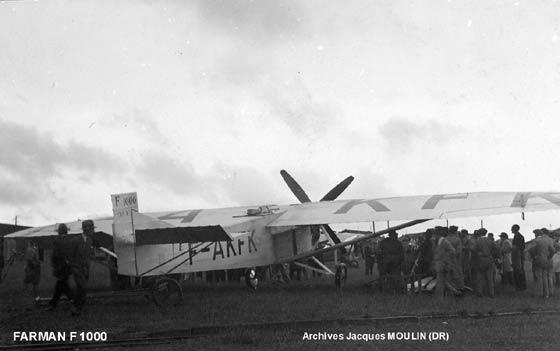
(251, 279)
(340, 275)
(167, 292)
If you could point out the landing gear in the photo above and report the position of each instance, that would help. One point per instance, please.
(340, 275)
(166, 292)
(251, 279)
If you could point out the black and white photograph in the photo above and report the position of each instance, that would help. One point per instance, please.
(279, 175)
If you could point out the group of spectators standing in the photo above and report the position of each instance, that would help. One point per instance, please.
(70, 258)
(459, 260)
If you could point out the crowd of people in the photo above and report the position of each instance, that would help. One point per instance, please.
(460, 260)
(70, 258)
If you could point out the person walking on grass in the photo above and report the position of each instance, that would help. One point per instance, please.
(32, 268)
(60, 261)
(82, 249)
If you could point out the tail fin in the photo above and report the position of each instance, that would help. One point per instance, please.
(124, 207)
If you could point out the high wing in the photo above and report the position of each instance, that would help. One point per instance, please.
(441, 206)
(231, 219)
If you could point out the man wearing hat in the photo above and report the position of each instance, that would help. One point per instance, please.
(60, 261)
(80, 264)
(537, 233)
(542, 252)
(466, 256)
(495, 254)
(518, 258)
(426, 253)
(483, 263)
(457, 276)
(444, 254)
(391, 256)
(504, 246)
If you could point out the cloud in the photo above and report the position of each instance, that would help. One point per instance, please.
(17, 193)
(221, 186)
(138, 121)
(178, 177)
(240, 69)
(248, 186)
(368, 184)
(265, 21)
(401, 135)
(31, 160)
(300, 110)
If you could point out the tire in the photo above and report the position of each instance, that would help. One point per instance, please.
(251, 279)
(167, 292)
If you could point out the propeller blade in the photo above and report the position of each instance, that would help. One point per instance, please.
(338, 189)
(331, 195)
(295, 187)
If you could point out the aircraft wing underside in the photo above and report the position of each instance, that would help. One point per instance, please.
(179, 235)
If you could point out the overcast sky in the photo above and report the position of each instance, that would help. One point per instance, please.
(199, 104)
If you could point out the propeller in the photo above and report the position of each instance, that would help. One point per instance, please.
(296, 189)
(300, 194)
(338, 189)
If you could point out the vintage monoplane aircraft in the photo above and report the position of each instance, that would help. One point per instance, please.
(163, 243)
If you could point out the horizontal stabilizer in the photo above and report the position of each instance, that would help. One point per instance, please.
(157, 236)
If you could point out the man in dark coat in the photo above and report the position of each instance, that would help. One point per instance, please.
(518, 258)
(391, 254)
(483, 263)
(369, 257)
(32, 268)
(82, 248)
(467, 244)
(426, 253)
(391, 258)
(425, 258)
(60, 261)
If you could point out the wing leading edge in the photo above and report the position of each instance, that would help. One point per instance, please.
(440, 206)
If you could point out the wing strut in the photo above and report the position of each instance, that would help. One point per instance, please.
(326, 271)
(191, 252)
(353, 241)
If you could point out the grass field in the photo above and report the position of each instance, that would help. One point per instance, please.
(231, 304)
(515, 334)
